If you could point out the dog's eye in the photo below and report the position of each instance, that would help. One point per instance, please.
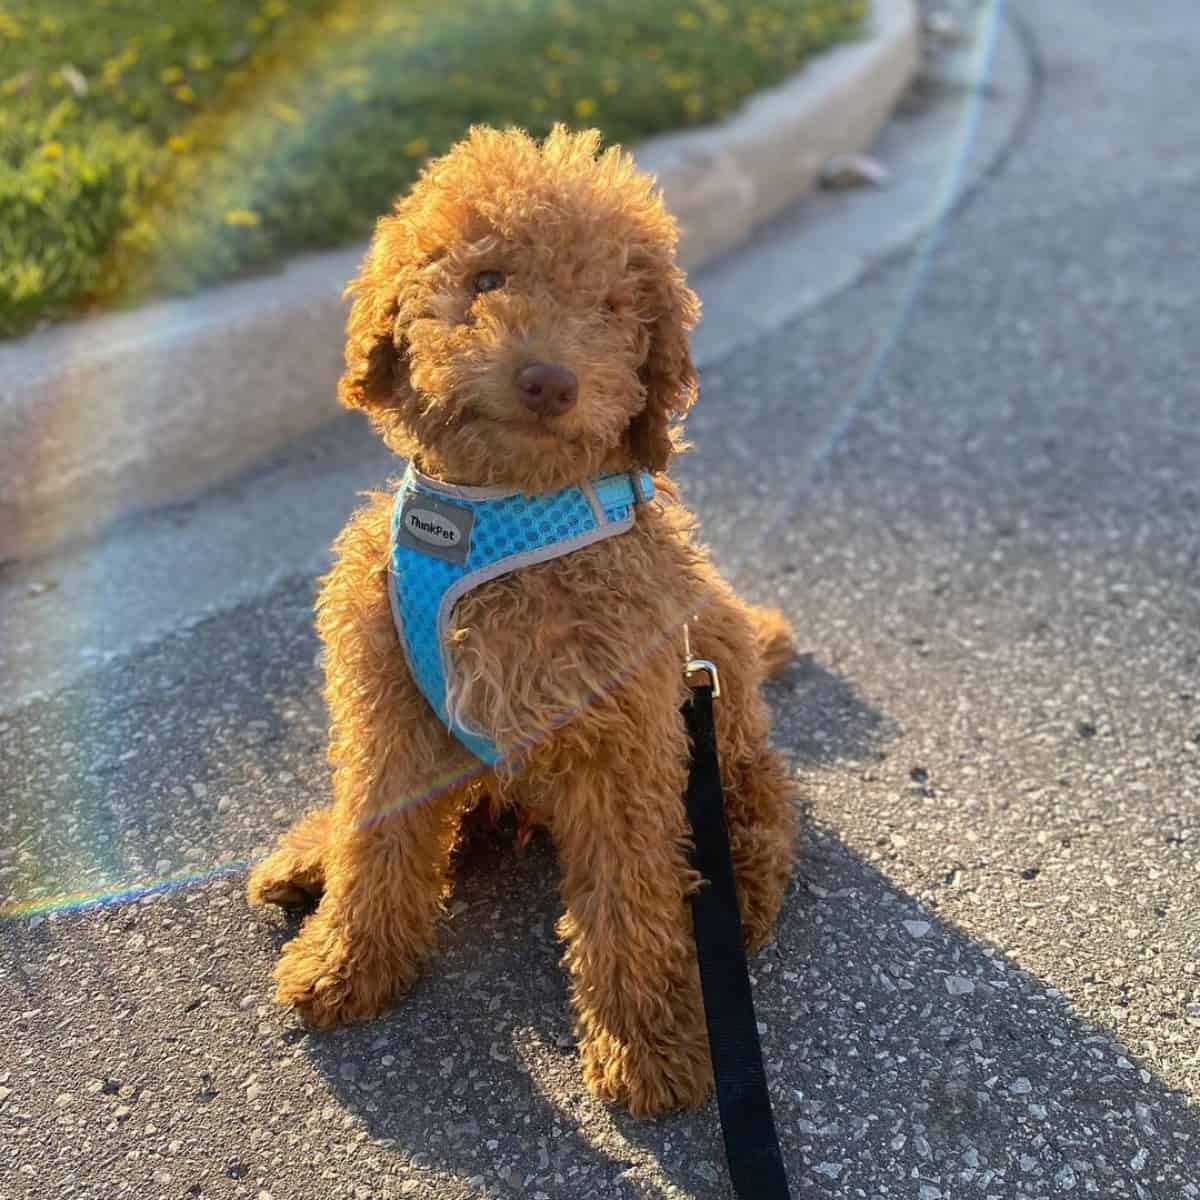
(488, 281)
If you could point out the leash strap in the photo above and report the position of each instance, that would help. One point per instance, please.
(747, 1124)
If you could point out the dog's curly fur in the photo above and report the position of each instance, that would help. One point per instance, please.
(573, 665)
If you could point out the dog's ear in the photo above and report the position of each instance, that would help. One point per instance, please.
(376, 374)
(668, 374)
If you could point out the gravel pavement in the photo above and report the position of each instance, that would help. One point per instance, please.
(974, 481)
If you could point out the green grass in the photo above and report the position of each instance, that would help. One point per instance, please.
(150, 148)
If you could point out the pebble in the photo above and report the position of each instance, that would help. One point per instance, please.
(1065, 1178)
(917, 929)
(162, 867)
(1020, 1087)
(853, 171)
(830, 1170)
(959, 985)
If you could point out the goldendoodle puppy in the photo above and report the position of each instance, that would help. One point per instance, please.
(520, 329)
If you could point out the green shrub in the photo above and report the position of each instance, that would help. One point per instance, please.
(243, 132)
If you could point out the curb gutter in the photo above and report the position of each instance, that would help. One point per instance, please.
(131, 410)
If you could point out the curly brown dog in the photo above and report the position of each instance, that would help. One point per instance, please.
(509, 254)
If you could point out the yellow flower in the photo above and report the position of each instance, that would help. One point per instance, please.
(49, 24)
(52, 149)
(177, 144)
(687, 20)
(171, 74)
(693, 104)
(242, 216)
(285, 113)
(199, 61)
(610, 86)
(274, 8)
(584, 107)
(10, 27)
(184, 94)
(417, 147)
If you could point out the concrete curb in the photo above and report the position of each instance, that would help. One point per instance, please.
(132, 410)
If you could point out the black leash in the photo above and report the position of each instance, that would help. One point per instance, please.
(747, 1124)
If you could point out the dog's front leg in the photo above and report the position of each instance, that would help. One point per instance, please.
(622, 839)
(397, 803)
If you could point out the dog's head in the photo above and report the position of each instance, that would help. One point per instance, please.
(520, 318)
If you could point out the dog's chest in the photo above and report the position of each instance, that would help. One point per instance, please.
(534, 648)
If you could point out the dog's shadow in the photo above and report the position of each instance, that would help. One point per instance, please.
(897, 1047)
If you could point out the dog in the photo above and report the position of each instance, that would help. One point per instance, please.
(519, 327)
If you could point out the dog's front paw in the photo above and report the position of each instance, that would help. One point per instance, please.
(281, 880)
(648, 1077)
(327, 985)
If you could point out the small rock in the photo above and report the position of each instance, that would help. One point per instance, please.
(62, 1100)
(122, 1112)
(224, 804)
(1065, 1178)
(853, 171)
(830, 1170)
(1138, 1161)
(162, 867)
(1020, 1087)
(199, 790)
(917, 929)
(709, 1172)
(959, 985)
(930, 1191)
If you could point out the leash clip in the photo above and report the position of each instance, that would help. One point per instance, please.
(695, 666)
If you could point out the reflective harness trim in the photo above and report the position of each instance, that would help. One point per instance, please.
(448, 539)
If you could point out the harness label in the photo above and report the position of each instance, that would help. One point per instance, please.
(435, 527)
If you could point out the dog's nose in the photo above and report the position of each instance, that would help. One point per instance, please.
(547, 389)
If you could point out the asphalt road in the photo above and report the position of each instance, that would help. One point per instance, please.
(974, 481)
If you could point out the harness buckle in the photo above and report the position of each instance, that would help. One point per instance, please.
(697, 666)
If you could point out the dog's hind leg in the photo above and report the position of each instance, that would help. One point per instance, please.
(774, 638)
(293, 874)
(759, 793)
(400, 790)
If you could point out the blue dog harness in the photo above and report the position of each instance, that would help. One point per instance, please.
(448, 539)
